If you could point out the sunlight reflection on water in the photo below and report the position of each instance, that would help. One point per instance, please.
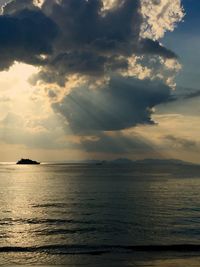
(55, 211)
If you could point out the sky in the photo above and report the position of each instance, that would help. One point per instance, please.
(99, 79)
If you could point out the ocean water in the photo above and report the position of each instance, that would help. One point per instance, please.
(108, 215)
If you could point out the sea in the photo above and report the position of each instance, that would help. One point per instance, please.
(100, 215)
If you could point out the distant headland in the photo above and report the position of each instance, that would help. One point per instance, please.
(27, 162)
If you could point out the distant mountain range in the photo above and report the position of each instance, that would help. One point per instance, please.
(129, 161)
(164, 161)
(145, 161)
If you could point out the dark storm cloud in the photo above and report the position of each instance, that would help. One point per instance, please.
(92, 43)
(24, 36)
(79, 62)
(78, 38)
(85, 62)
(89, 42)
(124, 103)
(83, 25)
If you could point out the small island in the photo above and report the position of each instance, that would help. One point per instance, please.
(28, 162)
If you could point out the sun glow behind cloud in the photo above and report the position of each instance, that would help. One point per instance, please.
(86, 94)
(27, 121)
(16, 88)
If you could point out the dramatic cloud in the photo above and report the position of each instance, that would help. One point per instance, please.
(124, 103)
(93, 42)
(90, 41)
(160, 16)
(111, 47)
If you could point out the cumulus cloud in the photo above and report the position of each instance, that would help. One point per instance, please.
(93, 43)
(89, 42)
(110, 42)
(160, 16)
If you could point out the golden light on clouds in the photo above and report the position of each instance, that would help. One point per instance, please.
(16, 88)
(98, 90)
(160, 16)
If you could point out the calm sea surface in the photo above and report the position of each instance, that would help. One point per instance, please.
(107, 215)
